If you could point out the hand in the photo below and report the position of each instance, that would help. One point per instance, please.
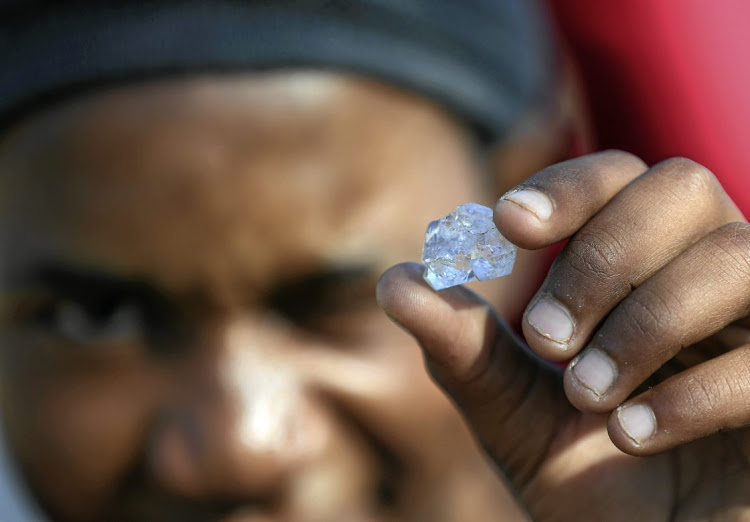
(653, 283)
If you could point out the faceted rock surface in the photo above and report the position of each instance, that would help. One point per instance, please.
(465, 246)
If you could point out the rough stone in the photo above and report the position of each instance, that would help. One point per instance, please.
(465, 246)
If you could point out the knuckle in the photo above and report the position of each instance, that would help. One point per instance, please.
(737, 233)
(596, 254)
(689, 177)
(703, 394)
(713, 391)
(730, 245)
(621, 157)
(647, 313)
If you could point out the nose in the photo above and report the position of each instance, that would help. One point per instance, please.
(242, 419)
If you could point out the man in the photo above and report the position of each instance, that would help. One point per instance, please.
(189, 263)
(190, 326)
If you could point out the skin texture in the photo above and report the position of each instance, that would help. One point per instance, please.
(653, 282)
(189, 329)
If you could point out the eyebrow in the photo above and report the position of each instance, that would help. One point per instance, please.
(86, 283)
(287, 294)
(66, 277)
(89, 285)
(102, 289)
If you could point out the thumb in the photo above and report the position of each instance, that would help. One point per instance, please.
(512, 401)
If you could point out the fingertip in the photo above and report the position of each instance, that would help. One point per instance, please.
(555, 202)
(402, 288)
(531, 200)
(633, 429)
(519, 222)
(589, 382)
(452, 325)
(392, 283)
(549, 329)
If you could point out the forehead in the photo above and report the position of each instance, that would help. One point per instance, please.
(219, 179)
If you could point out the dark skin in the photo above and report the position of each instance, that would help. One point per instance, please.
(656, 267)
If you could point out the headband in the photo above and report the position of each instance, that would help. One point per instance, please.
(486, 60)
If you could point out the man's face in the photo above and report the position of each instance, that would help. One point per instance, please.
(189, 328)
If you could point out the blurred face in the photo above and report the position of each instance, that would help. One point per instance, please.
(188, 324)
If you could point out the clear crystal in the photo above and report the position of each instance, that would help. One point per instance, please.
(465, 246)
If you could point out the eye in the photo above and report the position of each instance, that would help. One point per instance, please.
(92, 322)
(74, 322)
(89, 307)
(329, 303)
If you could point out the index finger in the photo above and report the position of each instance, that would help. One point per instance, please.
(573, 190)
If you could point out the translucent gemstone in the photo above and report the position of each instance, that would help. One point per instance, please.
(465, 246)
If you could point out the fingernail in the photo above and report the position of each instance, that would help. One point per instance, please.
(595, 370)
(552, 320)
(637, 421)
(532, 200)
